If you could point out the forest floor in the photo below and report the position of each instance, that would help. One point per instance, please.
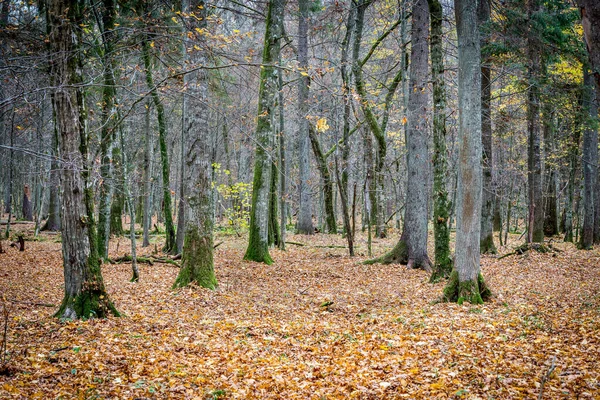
(264, 333)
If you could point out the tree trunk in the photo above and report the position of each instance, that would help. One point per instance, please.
(443, 262)
(170, 245)
(466, 282)
(589, 162)
(26, 207)
(197, 263)
(323, 168)
(282, 161)
(108, 128)
(550, 208)
(573, 157)
(534, 162)
(305, 225)
(590, 16)
(487, 207)
(85, 295)
(53, 221)
(259, 214)
(147, 175)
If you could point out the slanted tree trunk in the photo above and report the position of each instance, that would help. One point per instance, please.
(305, 225)
(487, 206)
(197, 263)
(411, 249)
(259, 214)
(170, 245)
(589, 162)
(443, 262)
(107, 132)
(466, 282)
(323, 168)
(85, 295)
(534, 151)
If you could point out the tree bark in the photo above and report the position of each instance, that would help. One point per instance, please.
(305, 225)
(259, 214)
(589, 162)
(443, 262)
(487, 206)
(550, 202)
(85, 295)
(147, 174)
(197, 263)
(590, 19)
(466, 282)
(26, 206)
(534, 151)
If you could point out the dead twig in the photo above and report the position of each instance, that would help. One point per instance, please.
(546, 376)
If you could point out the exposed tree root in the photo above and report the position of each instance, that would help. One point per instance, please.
(525, 247)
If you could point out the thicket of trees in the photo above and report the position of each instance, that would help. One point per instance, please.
(271, 115)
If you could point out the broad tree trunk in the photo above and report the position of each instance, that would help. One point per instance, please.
(534, 150)
(466, 282)
(259, 214)
(170, 245)
(305, 225)
(85, 295)
(443, 262)
(589, 163)
(26, 206)
(197, 263)
(487, 206)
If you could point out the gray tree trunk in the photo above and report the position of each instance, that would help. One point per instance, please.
(147, 175)
(197, 263)
(305, 225)
(466, 282)
(589, 163)
(534, 161)
(85, 295)
(259, 214)
(487, 207)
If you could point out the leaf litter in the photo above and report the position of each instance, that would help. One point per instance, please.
(314, 325)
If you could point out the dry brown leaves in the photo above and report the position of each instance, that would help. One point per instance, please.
(265, 334)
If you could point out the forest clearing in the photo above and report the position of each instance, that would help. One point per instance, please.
(316, 324)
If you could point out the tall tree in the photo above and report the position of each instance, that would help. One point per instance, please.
(411, 249)
(535, 228)
(258, 249)
(305, 225)
(170, 245)
(85, 295)
(466, 282)
(197, 263)
(589, 161)
(106, 24)
(441, 207)
(590, 15)
(487, 207)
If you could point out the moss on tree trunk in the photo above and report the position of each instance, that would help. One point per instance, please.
(197, 261)
(474, 292)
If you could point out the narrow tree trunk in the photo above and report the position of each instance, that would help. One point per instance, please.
(85, 295)
(589, 162)
(443, 262)
(466, 282)
(259, 214)
(323, 167)
(573, 157)
(170, 245)
(53, 221)
(534, 163)
(26, 206)
(305, 225)
(147, 174)
(487, 207)
(107, 131)
(282, 160)
(197, 263)
(550, 208)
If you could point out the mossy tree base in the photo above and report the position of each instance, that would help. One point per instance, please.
(197, 261)
(258, 253)
(91, 302)
(399, 255)
(474, 292)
